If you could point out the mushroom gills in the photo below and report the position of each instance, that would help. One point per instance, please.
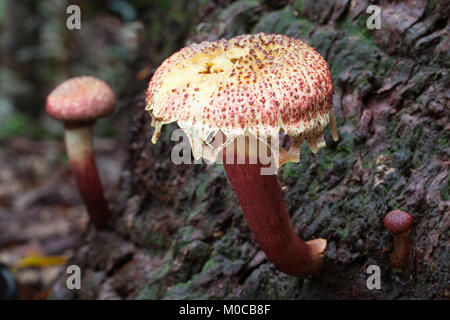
(316, 141)
(158, 125)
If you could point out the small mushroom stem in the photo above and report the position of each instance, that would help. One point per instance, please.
(399, 224)
(402, 248)
(262, 202)
(78, 139)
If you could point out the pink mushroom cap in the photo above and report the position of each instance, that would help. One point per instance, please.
(398, 222)
(81, 99)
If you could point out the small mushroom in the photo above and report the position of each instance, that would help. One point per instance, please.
(399, 224)
(79, 102)
(253, 86)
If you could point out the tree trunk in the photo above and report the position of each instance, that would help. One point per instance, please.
(179, 231)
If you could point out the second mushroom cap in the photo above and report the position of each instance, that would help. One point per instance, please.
(82, 99)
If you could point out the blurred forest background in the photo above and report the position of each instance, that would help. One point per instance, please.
(178, 230)
(121, 42)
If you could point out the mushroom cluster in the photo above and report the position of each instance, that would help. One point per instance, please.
(252, 86)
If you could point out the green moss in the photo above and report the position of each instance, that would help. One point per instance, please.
(147, 238)
(180, 290)
(239, 17)
(276, 22)
(198, 187)
(198, 209)
(303, 25)
(343, 233)
(346, 143)
(212, 262)
(368, 162)
(292, 171)
(160, 273)
(200, 191)
(147, 292)
(323, 39)
(21, 125)
(355, 54)
(152, 239)
(313, 189)
(16, 125)
(186, 235)
(358, 30)
(391, 129)
(215, 265)
(2, 10)
(445, 190)
(419, 81)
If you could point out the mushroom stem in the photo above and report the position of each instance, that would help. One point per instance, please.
(402, 248)
(262, 202)
(78, 139)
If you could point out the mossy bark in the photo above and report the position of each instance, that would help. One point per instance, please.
(179, 231)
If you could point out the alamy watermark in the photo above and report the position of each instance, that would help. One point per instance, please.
(73, 21)
(73, 281)
(374, 280)
(374, 20)
(244, 149)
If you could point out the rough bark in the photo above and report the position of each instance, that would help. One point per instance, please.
(179, 231)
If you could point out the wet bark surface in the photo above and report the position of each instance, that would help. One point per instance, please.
(179, 232)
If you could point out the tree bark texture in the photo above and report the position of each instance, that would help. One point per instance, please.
(179, 231)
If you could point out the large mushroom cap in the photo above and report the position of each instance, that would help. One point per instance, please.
(398, 222)
(257, 84)
(80, 99)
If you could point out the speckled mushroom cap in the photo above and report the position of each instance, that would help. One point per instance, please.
(398, 222)
(80, 99)
(251, 84)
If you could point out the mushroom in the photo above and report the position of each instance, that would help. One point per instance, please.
(79, 102)
(399, 224)
(252, 86)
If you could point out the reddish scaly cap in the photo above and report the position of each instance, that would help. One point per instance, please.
(259, 83)
(398, 222)
(80, 99)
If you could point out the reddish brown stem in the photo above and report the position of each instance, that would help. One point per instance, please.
(262, 202)
(79, 149)
(400, 254)
(90, 188)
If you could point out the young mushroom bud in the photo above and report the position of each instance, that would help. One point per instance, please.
(251, 86)
(79, 102)
(399, 224)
